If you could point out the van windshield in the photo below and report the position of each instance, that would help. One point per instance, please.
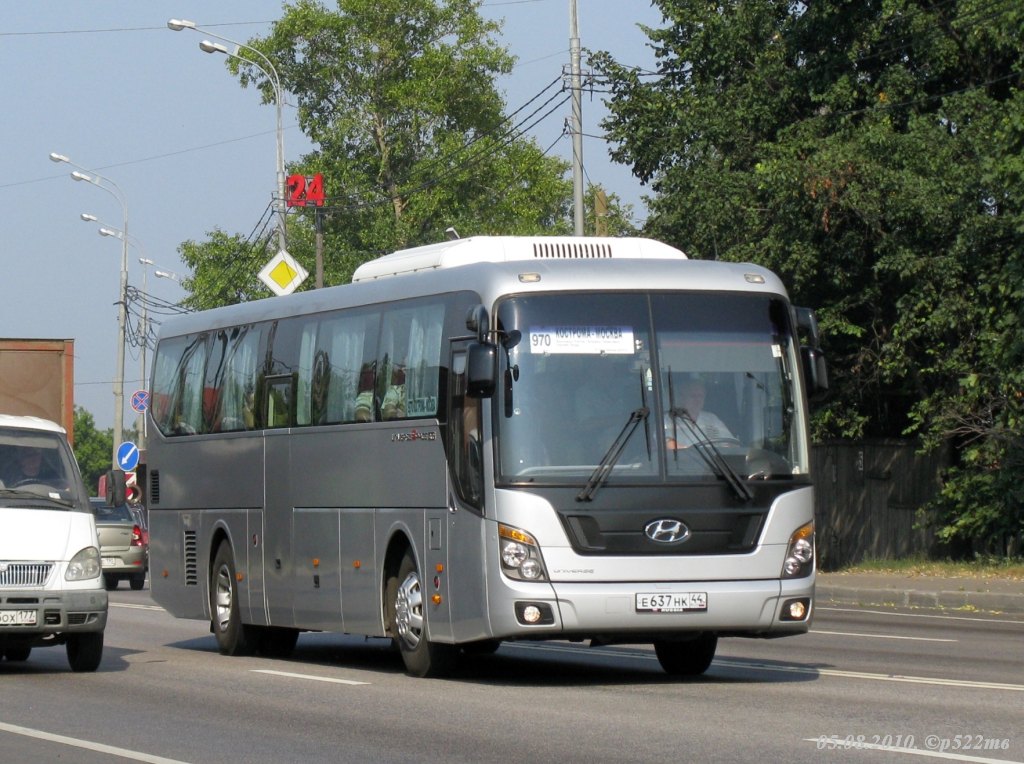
(37, 465)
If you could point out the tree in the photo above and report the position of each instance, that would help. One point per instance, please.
(870, 153)
(92, 448)
(411, 137)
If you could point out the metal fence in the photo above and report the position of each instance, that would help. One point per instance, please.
(867, 497)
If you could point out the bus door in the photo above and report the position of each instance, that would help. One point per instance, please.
(467, 434)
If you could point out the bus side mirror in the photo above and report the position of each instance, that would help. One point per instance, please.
(808, 322)
(479, 322)
(481, 369)
(116, 493)
(815, 371)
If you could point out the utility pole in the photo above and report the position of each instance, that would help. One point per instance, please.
(577, 120)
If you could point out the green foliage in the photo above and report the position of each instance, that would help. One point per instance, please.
(870, 153)
(399, 99)
(93, 448)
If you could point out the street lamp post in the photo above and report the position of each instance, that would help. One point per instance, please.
(106, 184)
(270, 72)
(145, 262)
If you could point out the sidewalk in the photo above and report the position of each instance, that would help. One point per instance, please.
(993, 595)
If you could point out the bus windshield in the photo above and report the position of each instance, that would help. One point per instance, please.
(653, 387)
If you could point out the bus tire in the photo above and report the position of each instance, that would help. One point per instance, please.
(407, 616)
(233, 637)
(689, 658)
(85, 650)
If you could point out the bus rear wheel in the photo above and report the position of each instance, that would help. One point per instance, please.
(407, 616)
(233, 637)
(688, 658)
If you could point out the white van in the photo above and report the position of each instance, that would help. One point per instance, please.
(51, 582)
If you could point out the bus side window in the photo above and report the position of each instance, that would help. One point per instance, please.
(280, 400)
(465, 440)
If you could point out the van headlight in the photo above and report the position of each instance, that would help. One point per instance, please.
(520, 555)
(84, 565)
(800, 553)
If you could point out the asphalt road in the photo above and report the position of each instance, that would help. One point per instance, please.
(864, 686)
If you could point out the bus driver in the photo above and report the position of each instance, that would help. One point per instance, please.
(679, 425)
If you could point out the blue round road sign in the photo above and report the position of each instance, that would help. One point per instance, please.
(140, 400)
(127, 456)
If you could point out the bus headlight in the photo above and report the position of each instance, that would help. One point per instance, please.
(799, 560)
(520, 555)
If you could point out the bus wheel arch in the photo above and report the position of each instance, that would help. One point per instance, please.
(406, 614)
(233, 637)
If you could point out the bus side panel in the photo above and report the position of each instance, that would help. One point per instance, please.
(197, 477)
(278, 562)
(466, 579)
(175, 571)
(342, 469)
(360, 581)
(318, 600)
(256, 599)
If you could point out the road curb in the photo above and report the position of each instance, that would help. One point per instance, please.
(910, 597)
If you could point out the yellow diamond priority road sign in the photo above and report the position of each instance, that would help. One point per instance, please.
(283, 274)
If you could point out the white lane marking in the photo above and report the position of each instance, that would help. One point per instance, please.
(874, 677)
(920, 752)
(919, 615)
(310, 677)
(880, 636)
(88, 745)
(741, 664)
(129, 606)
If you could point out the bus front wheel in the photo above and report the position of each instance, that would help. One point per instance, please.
(226, 623)
(688, 658)
(407, 615)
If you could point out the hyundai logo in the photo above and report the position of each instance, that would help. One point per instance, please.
(666, 531)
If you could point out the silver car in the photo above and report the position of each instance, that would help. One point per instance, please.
(124, 545)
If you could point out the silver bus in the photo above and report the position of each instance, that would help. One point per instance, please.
(489, 439)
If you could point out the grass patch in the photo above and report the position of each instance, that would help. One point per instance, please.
(1008, 568)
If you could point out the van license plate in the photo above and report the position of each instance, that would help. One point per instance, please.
(671, 602)
(17, 617)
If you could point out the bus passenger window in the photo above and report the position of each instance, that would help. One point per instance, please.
(280, 400)
(393, 405)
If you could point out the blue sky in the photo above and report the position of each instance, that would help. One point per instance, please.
(106, 84)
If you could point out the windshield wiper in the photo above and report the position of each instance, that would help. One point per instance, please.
(711, 454)
(611, 456)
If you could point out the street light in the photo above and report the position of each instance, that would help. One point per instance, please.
(270, 72)
(106, 184)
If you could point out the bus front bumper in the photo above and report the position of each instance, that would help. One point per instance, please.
(621, 612)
